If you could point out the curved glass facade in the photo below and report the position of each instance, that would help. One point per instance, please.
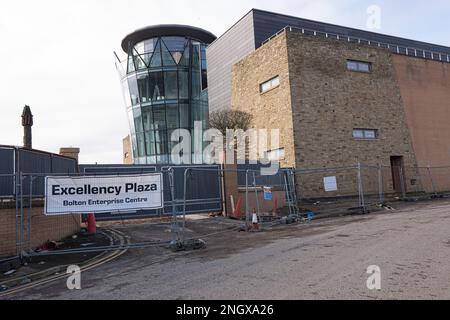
(165, 87)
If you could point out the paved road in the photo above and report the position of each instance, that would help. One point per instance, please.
(326, 260)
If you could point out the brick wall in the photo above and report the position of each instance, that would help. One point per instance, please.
(43, 229)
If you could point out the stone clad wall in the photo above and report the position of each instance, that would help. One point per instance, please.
(320, 102)
(271, 110)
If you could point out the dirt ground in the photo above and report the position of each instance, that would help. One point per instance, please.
(324, 259)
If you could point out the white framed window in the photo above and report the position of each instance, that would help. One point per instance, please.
(269, 85)
(359, 66)
(370, 134)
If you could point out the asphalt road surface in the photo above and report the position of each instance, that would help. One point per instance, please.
(327, 259)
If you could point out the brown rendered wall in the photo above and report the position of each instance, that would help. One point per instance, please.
(320, 102)
(43, 229)
(425, 89)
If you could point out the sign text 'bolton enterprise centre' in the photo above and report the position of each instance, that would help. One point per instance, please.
(100, 194)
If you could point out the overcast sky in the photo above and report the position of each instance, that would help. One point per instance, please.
(57, 56)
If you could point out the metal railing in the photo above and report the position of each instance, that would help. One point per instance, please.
(397, 49)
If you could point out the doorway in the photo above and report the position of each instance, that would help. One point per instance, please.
(398, 175)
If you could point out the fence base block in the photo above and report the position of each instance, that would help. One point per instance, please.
(188, 245)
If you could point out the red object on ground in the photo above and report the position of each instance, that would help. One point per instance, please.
(237, 214)
(91, 224)
(275, 207)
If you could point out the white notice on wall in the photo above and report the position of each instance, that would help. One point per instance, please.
(330, 184)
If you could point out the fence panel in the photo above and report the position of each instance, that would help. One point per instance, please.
(330, 190)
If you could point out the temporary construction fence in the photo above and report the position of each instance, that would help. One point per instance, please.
(362, 187)
(200, 189)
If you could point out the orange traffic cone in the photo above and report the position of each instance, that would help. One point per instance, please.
(255, 223)
(91, 224)
(237, 214)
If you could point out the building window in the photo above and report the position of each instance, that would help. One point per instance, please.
(359, 66)
(269, 85)
(275, 155)
(369, 134)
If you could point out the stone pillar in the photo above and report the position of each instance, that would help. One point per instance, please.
(70, 152)
(27, 123)
(127, 151)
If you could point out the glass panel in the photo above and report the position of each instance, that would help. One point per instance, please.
(138, 62)
(184, 116)
(147, 118)
(265, 87)
(196, 84)
(358, 134)
(159, 117)
(173, 120)
(131, 67)
(275, 82)
(185, 59)
(365, 67)
(204, 80)
(151, 143)
(351, 65)
(134, 92)
(161, 142)
(141, 144)
(196, 57)
(144, 87)
(156, 59)
(204, 65)
(139, 48)
(138, 120)
(174, 44)
(171, 87)
(177, 56)
(173, 144)
(126, 93)
(149, 45)
(134, 146)
(156, 86)
(370, 134)
(183, 80)
(131, 121)
(167, 57)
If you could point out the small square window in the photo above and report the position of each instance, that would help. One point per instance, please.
(269, 85)
(370, 134)
(359, 66)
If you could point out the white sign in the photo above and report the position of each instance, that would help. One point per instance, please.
(330, 184)
(103, 194)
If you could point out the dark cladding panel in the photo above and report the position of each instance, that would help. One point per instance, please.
(230, 48)
(267, 24)
(6, 172)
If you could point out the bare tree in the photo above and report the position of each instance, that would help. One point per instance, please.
(230, 119)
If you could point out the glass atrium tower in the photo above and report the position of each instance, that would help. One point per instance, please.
(165, 86)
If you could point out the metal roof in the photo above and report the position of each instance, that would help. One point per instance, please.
(166, 30)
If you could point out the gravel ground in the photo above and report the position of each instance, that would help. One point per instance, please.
(327, 259)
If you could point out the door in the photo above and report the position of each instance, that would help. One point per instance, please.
(398, 175)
